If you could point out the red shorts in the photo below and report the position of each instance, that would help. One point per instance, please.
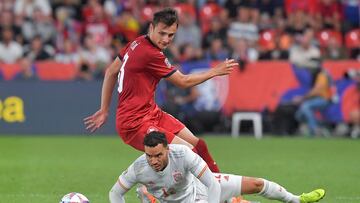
(164, 123)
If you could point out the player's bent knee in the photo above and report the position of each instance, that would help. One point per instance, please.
(252, 185)
(258, 184)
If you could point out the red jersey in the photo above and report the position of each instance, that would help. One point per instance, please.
(143, 66)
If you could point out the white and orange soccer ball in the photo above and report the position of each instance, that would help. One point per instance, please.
(74, 197)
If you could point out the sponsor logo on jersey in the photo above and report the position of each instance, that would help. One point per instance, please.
(177, 175)
(168, 64)
(150, 184)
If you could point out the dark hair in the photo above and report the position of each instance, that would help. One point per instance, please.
(154, 138)
(168, 16)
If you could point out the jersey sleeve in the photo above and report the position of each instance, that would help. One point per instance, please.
(159, 66)
(194, 163)
(128, 178)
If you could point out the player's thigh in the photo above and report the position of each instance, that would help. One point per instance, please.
(178, 140)
(188, 136)
(230, 185)
(137, 136)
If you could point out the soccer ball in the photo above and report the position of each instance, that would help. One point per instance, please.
(74, 197)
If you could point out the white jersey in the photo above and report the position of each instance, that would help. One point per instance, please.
(176, 183)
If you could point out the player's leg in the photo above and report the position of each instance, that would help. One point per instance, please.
(201, 147)
(274, 191)
(173, 125)
(233, 186)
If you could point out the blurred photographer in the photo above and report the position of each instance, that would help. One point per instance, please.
(354, 115)
(318, 98)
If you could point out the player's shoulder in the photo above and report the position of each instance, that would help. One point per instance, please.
(140, 164)
(143, 45)
(178, 150)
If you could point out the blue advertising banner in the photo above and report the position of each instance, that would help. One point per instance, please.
(31, 107)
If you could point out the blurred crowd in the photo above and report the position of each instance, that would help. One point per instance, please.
(89, 33)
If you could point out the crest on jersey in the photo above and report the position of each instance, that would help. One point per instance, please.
(168, 64)
(151, 129)
(177, 175)
(150, 184)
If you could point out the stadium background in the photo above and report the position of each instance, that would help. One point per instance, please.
(53, 55)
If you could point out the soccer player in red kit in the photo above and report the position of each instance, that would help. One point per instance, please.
(138, 69)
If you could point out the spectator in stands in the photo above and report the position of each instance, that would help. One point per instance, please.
(217, 51)
(27, 71)
(6, 5)
(217, 31)
(354, 117)
(250, 7)
(334, 50)
(243, 53)
(302, 53)
(188, 32)
(243, 28)
(72, 8)
(26, 8)
(317, 99)
(93, 58)
(351, 12)
(189, 53)
(98, 25)
(298, 22)
(10, 50)
(37, 51)
(7, 20)
(66, 27)
(39, 25)
(69, 54)
(126, 25)
(328, 14)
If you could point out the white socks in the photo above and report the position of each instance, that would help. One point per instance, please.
(274, 191)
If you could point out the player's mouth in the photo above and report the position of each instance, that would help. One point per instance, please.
(157, 167)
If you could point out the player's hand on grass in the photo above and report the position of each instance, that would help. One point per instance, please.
(225, 67)
(95, 121)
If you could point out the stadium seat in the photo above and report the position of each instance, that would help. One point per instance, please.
(267, 40)
(352, 39)
(207, 12)
(182, 8)
(255, 117)
(147, 12)
(324, 37)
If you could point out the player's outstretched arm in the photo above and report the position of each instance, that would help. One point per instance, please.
(186, 81)
(214, 190)
(96, 120)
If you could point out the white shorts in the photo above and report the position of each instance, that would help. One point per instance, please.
(230, 187)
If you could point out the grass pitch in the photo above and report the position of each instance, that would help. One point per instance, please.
(42, 169)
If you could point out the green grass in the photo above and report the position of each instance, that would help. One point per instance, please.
(42, 169)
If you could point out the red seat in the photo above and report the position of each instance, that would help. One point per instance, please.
(267, 40)
(147, 12)
(187, 8)
(352, 39)
(325, 36)
(207, 12)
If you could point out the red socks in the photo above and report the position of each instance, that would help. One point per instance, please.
(203, 152)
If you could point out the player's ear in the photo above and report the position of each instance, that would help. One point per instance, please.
(151, 28)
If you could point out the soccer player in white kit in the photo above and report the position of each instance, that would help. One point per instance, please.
(173, 173)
